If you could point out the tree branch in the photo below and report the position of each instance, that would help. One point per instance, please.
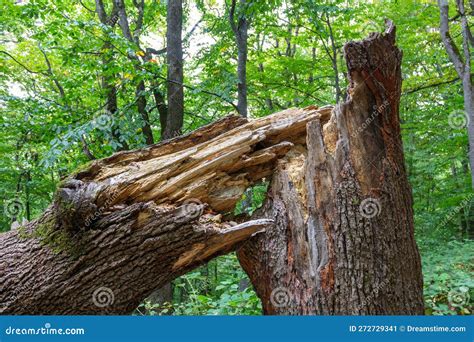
(232, 16)
(24, 66)
(432, 85)
(123, 20)
(51, 74)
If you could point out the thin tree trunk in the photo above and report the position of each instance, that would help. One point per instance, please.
(141, 105)
(112, 109)
(333, 57)
(242, 71)
(174, 56)
(172, 122)
(108, 81)
(160, 106)
(134, 38)
(343, 241)
(469, 108)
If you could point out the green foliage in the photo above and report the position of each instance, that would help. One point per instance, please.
(252, 199)
(448, 282)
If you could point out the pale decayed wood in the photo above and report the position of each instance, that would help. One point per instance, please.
(216, 170)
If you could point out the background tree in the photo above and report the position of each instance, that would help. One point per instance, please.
(174, 57)
(240, 26)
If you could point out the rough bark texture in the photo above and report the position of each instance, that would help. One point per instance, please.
(343, 241)
(128, 224)
(174, 56)
(113, 266)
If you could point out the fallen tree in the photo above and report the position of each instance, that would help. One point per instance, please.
(125, 225)
(343, 241)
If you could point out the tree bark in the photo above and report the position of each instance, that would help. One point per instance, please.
(343, 241)
(112, 267)
(174, 56)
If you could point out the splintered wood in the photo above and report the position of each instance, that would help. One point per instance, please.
(214, 164)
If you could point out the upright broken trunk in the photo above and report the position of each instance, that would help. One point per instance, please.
(125, 225)
(343, 241)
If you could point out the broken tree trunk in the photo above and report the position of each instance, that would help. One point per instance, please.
(343, 241)
(125, 225)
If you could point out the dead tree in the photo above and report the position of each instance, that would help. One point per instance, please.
(125, 225)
